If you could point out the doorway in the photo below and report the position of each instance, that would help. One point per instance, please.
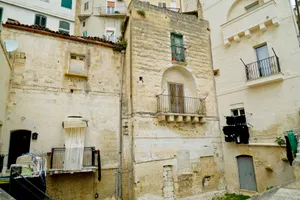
(264, 65)
(246, 173)
(18, 145)
(176, 97)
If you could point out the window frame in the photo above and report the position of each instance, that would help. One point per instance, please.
(63, 30)
(238, 112)
(86, 6)
(40, 21)
(162, 4)
(113, 9)
(78, 57)
(111, 29)
(252, 6)
(1, 14)
(64, 4)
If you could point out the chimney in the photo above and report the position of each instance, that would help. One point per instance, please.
(199, 10)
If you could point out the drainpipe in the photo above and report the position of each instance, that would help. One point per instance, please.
(119, 170)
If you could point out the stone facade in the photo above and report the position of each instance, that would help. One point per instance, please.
(5, 72)
(186, 156)
(271, 103)
(43, 94)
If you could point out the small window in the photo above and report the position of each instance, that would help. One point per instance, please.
(238, 112)
(252, 6)
(86, 5)
(177, 47)
(110, 35)
(64, 27)
(40, 20)
(77, 64)
(162, 4)
(110, 7)
(83, 24)
(1, 13)
(66, 4)
(85, 34)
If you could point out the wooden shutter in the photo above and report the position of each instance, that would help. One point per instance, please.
(180, 98)
(37, 19)
(176, 98)
(66, 4)
(43, 21)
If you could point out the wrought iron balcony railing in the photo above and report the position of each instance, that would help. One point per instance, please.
(168, 104)
(178, 53)
(262, 68)
(58, 157)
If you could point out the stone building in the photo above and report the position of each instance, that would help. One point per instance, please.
(256, 58)
(170, 107)
(57, 15)
(62, 85)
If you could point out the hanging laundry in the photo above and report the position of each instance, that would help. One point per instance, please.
(293, 141)
(240, 120)
(243, 132)
(289, 152)
(229, 132)
(230, 120)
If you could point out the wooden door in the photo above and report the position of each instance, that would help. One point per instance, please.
(176, 98)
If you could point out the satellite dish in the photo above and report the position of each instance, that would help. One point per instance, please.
(10, 45)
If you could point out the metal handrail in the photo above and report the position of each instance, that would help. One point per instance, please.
(23, 178)
(180, 105)
(262, 68)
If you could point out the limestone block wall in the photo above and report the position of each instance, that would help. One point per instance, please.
(157, 145)
(42, 97)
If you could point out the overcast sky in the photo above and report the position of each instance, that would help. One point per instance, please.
(293, 2)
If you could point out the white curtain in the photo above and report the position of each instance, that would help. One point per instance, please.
(74, 144)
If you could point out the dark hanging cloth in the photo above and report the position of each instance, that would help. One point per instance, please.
(230, 120)
(243, 132)
(240, 120)
(229, 132)
(289, 152)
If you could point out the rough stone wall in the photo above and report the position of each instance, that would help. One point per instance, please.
(5, 72)
(158, 144)
(42, 97)
(77, 23)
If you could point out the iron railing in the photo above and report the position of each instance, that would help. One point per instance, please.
(262, 68)
(120, 9)
(58, 157)
(180, 105)
(178, 53)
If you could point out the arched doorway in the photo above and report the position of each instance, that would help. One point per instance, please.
(18, 145)
(246, 173)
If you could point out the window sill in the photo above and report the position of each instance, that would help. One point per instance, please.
(76, 75)
(265, 80)
(62, 171)
(179, 63)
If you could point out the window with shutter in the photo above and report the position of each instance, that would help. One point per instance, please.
(110, 7)
(177, 47)
(66, 4)
(1, 13)
(40, 20)
(64, 27)
(86, 5)
(77, 65)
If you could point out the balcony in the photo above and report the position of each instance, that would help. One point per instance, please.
(58, 159)
(118, 11)
(180, 109)
(256, 19)
(263, 71)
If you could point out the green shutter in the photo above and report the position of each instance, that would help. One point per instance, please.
(66, 4)
(40, 20)
(1, 13)
(177, 47)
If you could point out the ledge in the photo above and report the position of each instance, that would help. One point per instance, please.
(181, 117)
(263, 144)
(76, 75)
(62, 171)
(179, 63)
(265, 80)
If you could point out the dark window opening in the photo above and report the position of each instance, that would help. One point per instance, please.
(40, 20)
